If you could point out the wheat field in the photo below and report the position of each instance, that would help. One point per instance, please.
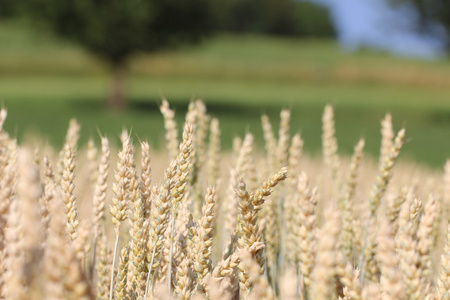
(196, 222)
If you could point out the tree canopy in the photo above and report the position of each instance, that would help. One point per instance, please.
(276, 17)
(432, 11)
(115, 29)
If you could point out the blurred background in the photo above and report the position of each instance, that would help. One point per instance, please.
(109, 64)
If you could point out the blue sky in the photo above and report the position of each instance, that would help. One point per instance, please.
(379, 25)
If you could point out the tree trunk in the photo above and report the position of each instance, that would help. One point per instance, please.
(117, 100)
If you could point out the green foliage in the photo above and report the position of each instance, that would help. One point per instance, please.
(431, 11)
(276, 17)
(8, 8)
(314, 20)
(116, 29)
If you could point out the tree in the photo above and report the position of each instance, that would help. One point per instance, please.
(276, 17)
(431, 11)
(8, 8)
(114, 30)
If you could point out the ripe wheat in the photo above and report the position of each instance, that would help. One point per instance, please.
(262, 223)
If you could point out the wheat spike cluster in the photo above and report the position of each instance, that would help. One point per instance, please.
(195, 222)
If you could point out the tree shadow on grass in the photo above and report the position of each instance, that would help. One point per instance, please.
(441, 118)
(150, 106)
(216, 107)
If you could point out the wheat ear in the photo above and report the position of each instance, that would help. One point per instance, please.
(370, 268)
(325, 267)
(119, 201)
(159, 220)
(146, 178)
(183, 164)
(379, 188)
(447, 189)
(261, 288)
(283, 138)
(98, 202)
(7, 196)
(91, 155)
(330, 145)
(15, 288)
(305, 230)
(270, 141)
(394, 207)
(183, 287)
(268, 187)
(425, 240)
(347, 200)
(100, 187)
(408, 254)
(120, 290)
(243, 151)
(104, 258)
(49, 193)
(204, 238)
(350, 279)
(214, 152)
(387, 136)
(219, 290)
(3, 115)
(295, 154)
(227, 268)
(75, 284)
(184, 161)
(137, 218)
(248, 230)
(72, 137)
(290, 208)
(25, 252)
(201, 131)
(384, 173)
(444, 275)
(272, 220)
(390, 278)
(171, 129)
(68, 187)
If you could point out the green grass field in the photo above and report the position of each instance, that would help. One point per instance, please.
(44, 82)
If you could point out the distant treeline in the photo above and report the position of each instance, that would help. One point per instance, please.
(273, 17)
(8, 8)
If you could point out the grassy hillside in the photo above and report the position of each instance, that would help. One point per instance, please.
(44, 82)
